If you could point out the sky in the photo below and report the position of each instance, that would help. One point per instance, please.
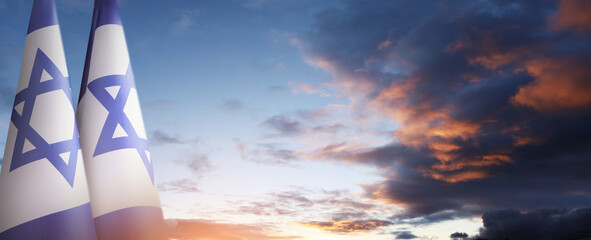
(344, 119)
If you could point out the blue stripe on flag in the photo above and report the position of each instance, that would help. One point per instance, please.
(144, 223)
(42, 15)
(105, 12)
(108, 13)
(72, 224)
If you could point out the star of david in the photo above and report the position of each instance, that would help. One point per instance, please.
(118, 133)
(30, 146)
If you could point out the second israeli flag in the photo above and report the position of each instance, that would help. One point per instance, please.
(125, 202)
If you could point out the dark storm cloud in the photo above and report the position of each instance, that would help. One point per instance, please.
(493, 100)
(539, 177)
(539, 225)
(419, 219)
(547, 174)
(458, 236)
(404, 235)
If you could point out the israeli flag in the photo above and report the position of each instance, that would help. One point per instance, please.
(43, 188)
(125, 202)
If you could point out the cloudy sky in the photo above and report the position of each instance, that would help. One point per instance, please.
(340, 119)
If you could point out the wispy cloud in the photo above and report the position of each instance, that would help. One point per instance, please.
(196, 162)
(191, 155)
(334, 211)
(191, 162)
(186, 19)
(184, 185)
(347, 225)
(304, 122)
(266, 153)
(284, 125)
(300, 87)
(160, 137)
(270, 64)
(159, 105)
(277, 88)
(328, 133)
(233, 105)
(253, 4)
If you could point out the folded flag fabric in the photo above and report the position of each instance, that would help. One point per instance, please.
(43, 186)
(125, 202)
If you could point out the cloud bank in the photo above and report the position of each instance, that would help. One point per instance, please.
(543, 224)
(493, 101)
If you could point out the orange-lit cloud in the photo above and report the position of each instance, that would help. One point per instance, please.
(495, 60)
(300, 87)
(425, 126)
(523, 140)
(575, 14)
(483, 161)
(346, 226)
(487, 50)
(459, 177)
(385, 44)
(421, 123)
(559, 84)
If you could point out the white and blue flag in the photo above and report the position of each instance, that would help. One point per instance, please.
(43, 188)
(125, 202)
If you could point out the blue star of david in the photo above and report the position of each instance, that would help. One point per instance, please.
(115, 106)
(26, 133)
